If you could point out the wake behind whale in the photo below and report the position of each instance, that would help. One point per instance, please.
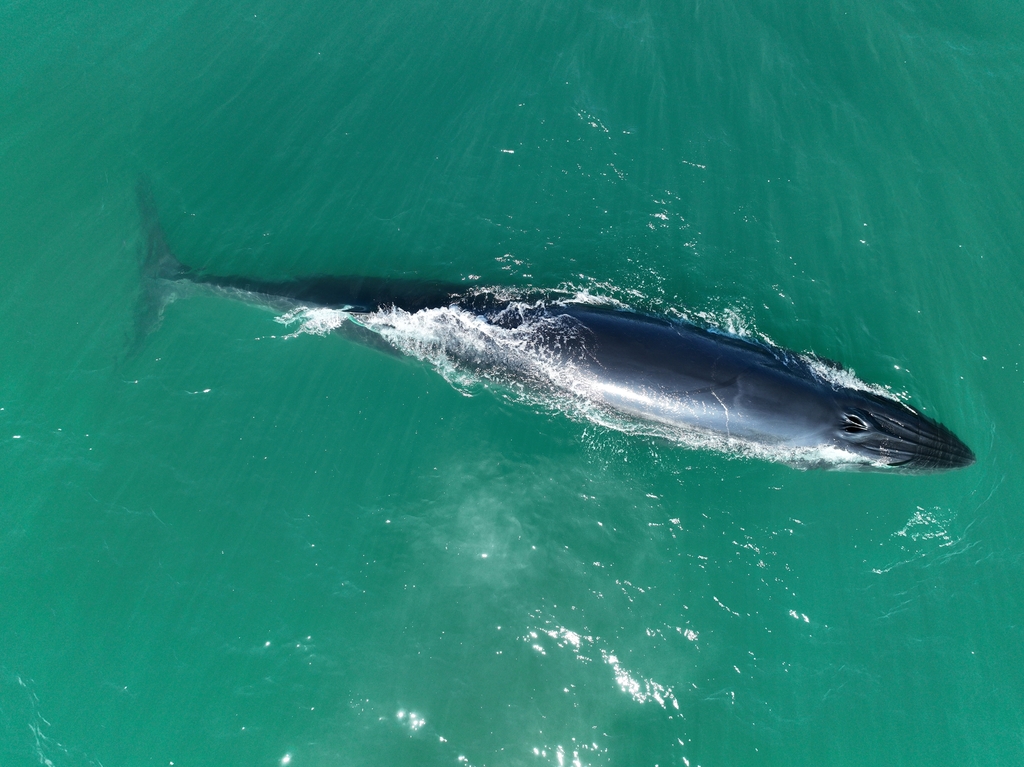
(605, 363)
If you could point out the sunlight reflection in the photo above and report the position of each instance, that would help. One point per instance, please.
(415, 721)
(640, 689)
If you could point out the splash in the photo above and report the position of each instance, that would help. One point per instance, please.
(317, 321)
(845, 377)
(469, 350)
(728, 321)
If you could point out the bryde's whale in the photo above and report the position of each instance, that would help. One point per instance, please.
(663, 376)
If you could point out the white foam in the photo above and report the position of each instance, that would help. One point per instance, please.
(587, 298)
(467, 349)
(845, 377)
(318, 321)
(729, 321)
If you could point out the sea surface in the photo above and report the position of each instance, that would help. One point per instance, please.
(230, 542)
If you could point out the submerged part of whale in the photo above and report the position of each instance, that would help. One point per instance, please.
(608, 363)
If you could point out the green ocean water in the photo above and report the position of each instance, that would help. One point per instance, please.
(233, 547)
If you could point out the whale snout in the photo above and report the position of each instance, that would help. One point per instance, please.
(896, 435)
(951, 455)
(934, 449)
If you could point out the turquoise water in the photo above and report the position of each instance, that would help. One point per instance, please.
(234, 547)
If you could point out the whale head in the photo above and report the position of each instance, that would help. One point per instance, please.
(891, 434)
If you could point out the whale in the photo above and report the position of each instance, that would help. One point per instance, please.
(637, 371)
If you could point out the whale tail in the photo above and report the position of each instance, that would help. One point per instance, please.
(158, 269)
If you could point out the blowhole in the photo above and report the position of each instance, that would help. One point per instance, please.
(853, 424)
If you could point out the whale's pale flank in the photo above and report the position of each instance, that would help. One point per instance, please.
(605, 362)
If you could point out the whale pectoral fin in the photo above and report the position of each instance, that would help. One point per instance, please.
(353, 331)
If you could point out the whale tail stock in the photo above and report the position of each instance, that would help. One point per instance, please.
(164, 278)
